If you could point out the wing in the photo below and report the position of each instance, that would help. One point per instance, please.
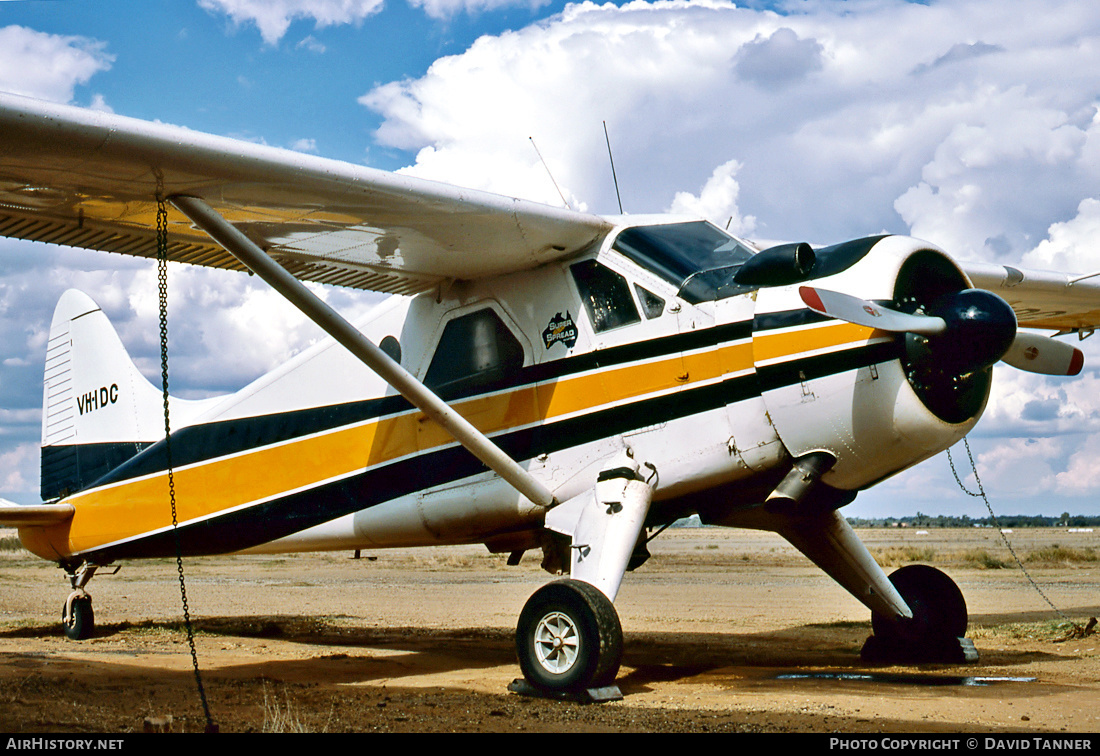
(1042, 299)
(88, 179)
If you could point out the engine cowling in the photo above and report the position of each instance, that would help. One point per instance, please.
(879, 401)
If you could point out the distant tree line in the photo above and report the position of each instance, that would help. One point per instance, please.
(920, 520)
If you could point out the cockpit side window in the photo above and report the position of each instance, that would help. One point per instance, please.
(652, 305)
(476, 350)
(606, 296)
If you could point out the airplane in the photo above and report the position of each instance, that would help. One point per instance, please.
(541, 379)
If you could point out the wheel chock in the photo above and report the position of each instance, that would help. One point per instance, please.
(943, 651)
(587, 696)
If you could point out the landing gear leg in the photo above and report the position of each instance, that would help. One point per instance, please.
(918, 613)
(77, 617)
(568, 639)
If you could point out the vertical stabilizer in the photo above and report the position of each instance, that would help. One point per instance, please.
(98, 409)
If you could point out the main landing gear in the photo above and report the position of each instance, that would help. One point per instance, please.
(918, 613)
(568, 639)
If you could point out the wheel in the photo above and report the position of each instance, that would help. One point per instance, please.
(569, 638)
(939, 609)
(77, 618)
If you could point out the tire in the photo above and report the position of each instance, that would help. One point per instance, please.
(568, 638)
(79, 620)
(939, 609)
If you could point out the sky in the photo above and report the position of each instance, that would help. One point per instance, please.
(973, 124)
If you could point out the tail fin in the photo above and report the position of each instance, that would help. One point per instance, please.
(98, 409)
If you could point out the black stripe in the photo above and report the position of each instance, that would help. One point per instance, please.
(290, 514)
(809, 368)
(69, 468)
(771, 321)
(197, 443)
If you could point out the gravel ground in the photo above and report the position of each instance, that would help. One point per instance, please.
(726, 631)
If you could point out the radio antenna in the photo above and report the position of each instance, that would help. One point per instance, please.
(548, 173)
(612, 159)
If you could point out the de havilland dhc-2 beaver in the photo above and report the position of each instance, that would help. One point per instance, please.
(542, 379)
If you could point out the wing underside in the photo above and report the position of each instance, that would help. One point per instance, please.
(87, 179)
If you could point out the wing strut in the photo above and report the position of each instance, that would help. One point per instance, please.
(419, 395)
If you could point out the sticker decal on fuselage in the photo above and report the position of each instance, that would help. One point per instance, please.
(560, 328)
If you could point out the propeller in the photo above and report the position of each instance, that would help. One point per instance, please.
(1036, 353)
(958, 334)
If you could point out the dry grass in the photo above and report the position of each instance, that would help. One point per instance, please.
(281, 716)
(895, 556)
(1062, 555)
(11, 543)
(983, 560)
(1049, 630)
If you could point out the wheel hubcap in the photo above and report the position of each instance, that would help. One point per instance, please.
(556, 642)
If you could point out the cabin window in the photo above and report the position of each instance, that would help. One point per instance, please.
(652, 305)
(392, 347)
(476, 351)
(606, 296)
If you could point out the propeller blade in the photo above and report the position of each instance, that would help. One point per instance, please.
(865, 313)
(1036, 353)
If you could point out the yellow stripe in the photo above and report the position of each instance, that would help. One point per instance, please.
(775, 346)
(137, 507)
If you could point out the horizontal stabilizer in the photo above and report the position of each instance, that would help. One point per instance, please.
(22, 516)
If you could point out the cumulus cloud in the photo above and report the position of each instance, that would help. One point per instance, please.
(642, 68)
(956, 121)
(1071, 245)
(273, 17)
(717, 202)
(778, 60)
(444, 9)
(49, 66)
(19, 468)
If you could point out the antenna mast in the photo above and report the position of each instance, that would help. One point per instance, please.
(548, 173)
(612, 159)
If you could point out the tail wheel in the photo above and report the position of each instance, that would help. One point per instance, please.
(939, 609)
(78, 619)
(569, 638)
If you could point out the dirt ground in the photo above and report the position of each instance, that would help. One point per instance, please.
(726, 631)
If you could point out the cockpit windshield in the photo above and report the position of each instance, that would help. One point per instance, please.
(696, 257)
